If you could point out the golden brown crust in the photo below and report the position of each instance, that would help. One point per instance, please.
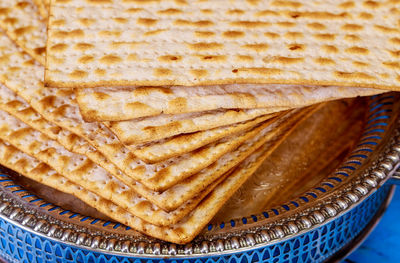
(211, 43)
(80, 85)
(204, 98)
(148, 130)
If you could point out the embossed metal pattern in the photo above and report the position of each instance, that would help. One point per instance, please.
(20, 245)
(343, 192)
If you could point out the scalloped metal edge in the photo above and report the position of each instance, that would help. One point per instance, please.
(12, 209)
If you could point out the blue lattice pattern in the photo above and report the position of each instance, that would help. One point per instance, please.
(316, 245)
(378, 117)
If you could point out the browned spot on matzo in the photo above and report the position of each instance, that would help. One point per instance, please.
(59, 47)
(205, 46)
(83, 46)
(365, 15)
(271, 35)
(325, 61)
(212, 58)
(256, 47)
(250, 24)
(392, 65)
(169, 58)
(201, 23)
(357, 50)
(76, 33)
(147, 21)
(352, 38)
(294, 35)
(291, 4)
(330, 49)
(204, 34)
(316, 26)
(86, 21)
(199, 73)
(395, 40)
(325, 37)
(360, 64)
(154, 32)
(354, 75)
(284, 60)
(233, 34)
(170, 11)
(235, 12)
(352, 27)
(110, 59)
(78, 74)
(160, 72)
(86, 59)
(345, 5)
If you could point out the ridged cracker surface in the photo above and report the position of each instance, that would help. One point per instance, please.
(181, 232)
(161, 150)
(23, 24)
(82, 171)
(163, 126)
(18, 107)
(117, 104)
(117, 42)
(24, 77)
(15, 105)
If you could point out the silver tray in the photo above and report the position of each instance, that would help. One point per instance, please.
(324, 183)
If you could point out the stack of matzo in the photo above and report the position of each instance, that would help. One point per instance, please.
(226, 81)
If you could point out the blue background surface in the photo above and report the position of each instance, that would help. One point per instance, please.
(383, 245)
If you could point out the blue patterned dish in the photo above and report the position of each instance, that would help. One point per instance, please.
(310, 226)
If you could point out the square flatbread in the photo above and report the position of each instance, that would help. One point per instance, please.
(82, 171)
(155, 43)
(159, 127)
(171, 147)
(28, 30)
(181, 232)
(129, 103)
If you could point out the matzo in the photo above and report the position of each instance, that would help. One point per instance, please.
(85, 173)
(170, 42)
(178, 145)
(23, 25)
(226, 162)
(117, 103)
(60, 107)
(18, 107)
(38, 33)
(181, 232)
(15, 105)
(163, 126)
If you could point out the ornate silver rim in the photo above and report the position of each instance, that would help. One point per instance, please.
(30, 218)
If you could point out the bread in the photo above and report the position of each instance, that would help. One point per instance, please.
(159, 127)
(171, 147)
(134, 43)
(130, 103)
(181, 232)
